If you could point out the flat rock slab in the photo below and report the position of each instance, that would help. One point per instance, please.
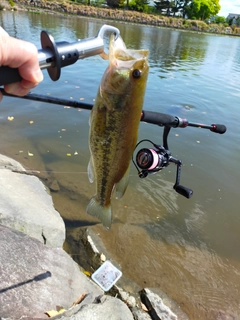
(103, 308)
(36, 278)
(26, 206)
(160, 306)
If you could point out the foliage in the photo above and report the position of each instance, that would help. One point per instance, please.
(200, 9)
(219, 19)
(115, 3)
(1, 7)
(150, 10)
(139, 5)
(80, 1)
(203, 9)
(12, 4)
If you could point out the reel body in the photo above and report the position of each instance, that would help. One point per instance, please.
(151, 160)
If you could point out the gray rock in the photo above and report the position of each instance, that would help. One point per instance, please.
(126, 297)
(26, 206)
(106, 308)
(165, 308)
(36, 278)
(139, 314)
(8, 163)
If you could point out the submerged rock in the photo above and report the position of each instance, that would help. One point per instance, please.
(54, 186)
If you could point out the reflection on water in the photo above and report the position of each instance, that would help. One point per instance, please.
(187, 248)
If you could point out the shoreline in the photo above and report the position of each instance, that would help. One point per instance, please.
(34, 246)
(121, 15)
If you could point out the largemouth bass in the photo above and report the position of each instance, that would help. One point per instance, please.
(114, 123)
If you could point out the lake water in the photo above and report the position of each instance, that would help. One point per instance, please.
(189, 248)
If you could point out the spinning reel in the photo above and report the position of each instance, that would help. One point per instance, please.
(152, 160)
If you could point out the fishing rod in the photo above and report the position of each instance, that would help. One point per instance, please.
(55, 55)
(148, 160)
(160, 119)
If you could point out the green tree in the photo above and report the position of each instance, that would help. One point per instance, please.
(219, 19)
(203, 9)
(139, 5)
(115, 3)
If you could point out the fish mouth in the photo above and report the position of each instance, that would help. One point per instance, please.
(128, 54)
(126, 67)
(121, 57)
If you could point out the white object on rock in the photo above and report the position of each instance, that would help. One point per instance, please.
(106, 275)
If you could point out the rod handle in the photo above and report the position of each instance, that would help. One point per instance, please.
(9, 75)
(158, 118)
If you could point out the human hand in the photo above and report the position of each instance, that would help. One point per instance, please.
(23, 55)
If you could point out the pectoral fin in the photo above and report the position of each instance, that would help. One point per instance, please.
(121, 186)
(90, 170)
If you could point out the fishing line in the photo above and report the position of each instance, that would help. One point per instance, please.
(62, 172)
(41, 171)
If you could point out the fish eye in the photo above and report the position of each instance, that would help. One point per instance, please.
(136, 73)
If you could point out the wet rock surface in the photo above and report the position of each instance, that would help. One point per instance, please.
(160, 305)
(54, 186)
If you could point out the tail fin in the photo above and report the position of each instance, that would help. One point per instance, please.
(104, 214)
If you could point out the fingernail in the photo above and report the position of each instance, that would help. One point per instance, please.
(39, 75)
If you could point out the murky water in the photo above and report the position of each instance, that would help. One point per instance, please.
(187, 248)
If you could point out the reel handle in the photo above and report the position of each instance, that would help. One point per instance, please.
(184, 191)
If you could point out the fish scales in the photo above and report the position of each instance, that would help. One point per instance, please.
(114, 123)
